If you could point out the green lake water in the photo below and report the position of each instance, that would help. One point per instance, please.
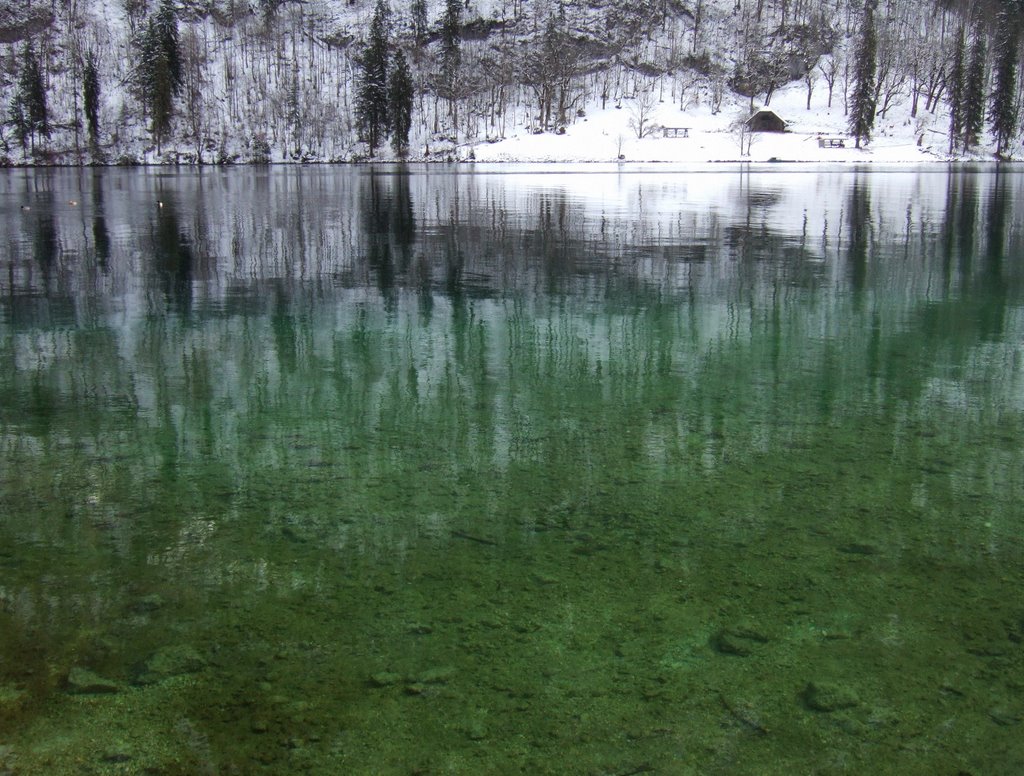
(536, 470)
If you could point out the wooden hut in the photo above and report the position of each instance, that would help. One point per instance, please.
(766, 120)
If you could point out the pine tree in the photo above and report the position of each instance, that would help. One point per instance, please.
(17, 118)
(400, 98)
(863, 103)
(974, 90)
(29, 113)
(1003, 105)
(154, 82)
(418, 11)
(268, 9)
(38, 112)
(159, 74)
(957, 87)
(91, 98)
(451, 39)
(167, 30)
(372, 106)
(451, 55)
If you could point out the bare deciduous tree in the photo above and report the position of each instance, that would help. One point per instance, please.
(641, 109)
(829, 69)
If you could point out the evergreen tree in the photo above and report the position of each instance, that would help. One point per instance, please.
(18, 120)
(372, 104)
(974, 91)
(38, 112)
(863, 102)
(159, 74)
(268, 8)
(451, 39)
(957, 86)
(400, 97)
(91, 97)
(1003, 106)
(155, 83)
(451, 54)
(418, 10)
(29, 113)
(167, 32)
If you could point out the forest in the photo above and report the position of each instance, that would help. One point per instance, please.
(256, 81)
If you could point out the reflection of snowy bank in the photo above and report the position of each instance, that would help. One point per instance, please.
(678, 225)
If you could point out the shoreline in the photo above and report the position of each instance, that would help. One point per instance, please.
(925, 162)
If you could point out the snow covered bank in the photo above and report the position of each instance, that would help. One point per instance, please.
(609, 135)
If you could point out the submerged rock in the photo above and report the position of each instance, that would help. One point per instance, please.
(739, 641)
(858, 548)
(829, 696)
(1006, 715)
(439, 675)
(385, 679)
(476, 730)
(259, 726)
(1015, 630)
(12, 700)
(148, 604)
(436, 675)
(82, 681)
(117, 756)
(170, 661)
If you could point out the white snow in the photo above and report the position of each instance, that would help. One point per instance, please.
(601, 136)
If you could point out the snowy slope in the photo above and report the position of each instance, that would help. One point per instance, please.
(287, 83)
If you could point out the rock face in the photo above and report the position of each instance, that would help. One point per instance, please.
(82, 681)
(17, 25)
(829, 696)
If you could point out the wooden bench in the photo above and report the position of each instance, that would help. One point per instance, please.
(831, 142)
(675, 131)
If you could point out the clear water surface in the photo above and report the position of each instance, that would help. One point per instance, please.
(512, 470)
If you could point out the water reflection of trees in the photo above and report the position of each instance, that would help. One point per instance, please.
(173, 258)
(370, 329)
(860, 226)
(101, 247)
(389, 229)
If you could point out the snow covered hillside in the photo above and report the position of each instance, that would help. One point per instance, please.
(531, 80)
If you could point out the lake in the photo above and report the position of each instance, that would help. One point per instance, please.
(540, 469)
